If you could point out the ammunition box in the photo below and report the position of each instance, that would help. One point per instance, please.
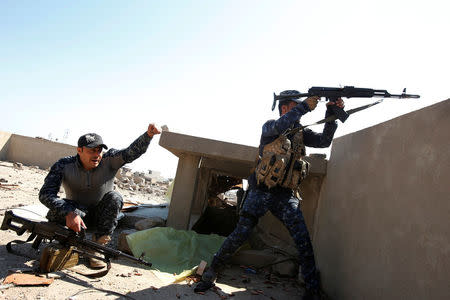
(56, 257)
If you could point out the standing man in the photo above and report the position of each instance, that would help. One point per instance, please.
(274, 186)
(88, 180)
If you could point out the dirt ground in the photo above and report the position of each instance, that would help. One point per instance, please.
(125, 280)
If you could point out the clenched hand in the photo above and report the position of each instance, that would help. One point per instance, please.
(152, 130)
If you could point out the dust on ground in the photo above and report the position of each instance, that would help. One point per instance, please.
(125, 280)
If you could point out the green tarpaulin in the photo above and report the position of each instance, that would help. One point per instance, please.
(174, 251)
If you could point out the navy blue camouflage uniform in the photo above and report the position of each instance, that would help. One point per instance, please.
(90, 193)
(280, 201)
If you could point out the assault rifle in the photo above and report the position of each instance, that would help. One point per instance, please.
(66, 237)
(332, 94)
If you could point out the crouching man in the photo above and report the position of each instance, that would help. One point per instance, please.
(88, 180)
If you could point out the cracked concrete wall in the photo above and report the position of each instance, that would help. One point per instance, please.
(383, 226)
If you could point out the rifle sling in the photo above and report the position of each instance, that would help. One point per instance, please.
(333, 117)
(11, 250)
(97, 274)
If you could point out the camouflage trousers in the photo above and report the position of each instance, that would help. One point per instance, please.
(102, 217)
(283, 205)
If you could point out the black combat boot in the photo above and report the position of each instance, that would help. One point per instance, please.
(209, 276)
(207, 281)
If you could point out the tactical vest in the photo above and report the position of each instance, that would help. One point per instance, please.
(281, 163)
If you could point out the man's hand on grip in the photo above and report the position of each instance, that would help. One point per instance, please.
(75, 222)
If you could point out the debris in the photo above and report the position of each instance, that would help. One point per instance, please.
(194, 278)
(8, 186)
(257, 292)
(27, 279)
(18, 165)
(136, 272)
(201, 267)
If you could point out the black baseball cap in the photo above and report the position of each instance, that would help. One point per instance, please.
(91, 140)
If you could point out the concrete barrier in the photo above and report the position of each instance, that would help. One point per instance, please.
(383, 227)
(32, 151)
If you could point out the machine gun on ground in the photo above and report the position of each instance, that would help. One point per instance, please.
(332, 94)
(69, 239)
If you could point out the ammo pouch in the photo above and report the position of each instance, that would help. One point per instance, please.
(56, 257)
(300, 169)
(281, 163)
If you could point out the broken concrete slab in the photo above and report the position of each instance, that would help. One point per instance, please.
(23, 279)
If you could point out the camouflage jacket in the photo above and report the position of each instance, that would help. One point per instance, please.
(86, 188)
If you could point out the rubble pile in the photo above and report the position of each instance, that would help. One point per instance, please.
(151, 183)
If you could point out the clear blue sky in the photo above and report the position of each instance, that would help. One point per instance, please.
(208, 68)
